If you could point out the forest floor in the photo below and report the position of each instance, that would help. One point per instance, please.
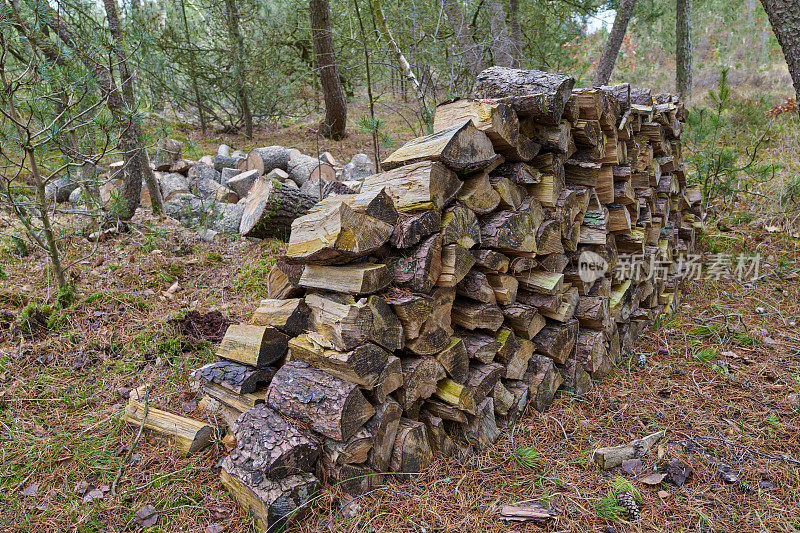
(723, 374)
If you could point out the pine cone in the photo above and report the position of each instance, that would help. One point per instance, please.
(744, 487)
(628, 502)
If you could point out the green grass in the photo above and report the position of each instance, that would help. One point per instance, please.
(252, 277)
(114, 296)
(527, 456)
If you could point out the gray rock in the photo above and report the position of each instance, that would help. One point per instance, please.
(358, 168)
(242, 183)
(60, 189)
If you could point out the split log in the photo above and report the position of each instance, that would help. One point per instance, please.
(203, 171)
(455, 360)
(346, 323)
(456, 263)
(291, 316)
(242, 182)
(476, 315)
(491, 261)
(522, 263)
(416, 187)
(283, 280)
(521, 392)
(543, 302)
(478, 194)
(413, 310)
(544, 380)
(238, 378)
(548, 238)
(481, 379)
(523, 319)
(383, 426)
(479, 346)
(581, 172)
(509, 344)
(499, 121)
(475, 285)
(456, 395)
(353, 479)
(375, 203)
(517, 363)
(504, 287)
(434, 336)
(532, 93)
(440, 441)
(236, 402)
(409, 230)
(577, 381)
(557, 138)
(587, 132)
(591, 353)
(271, 208)
(557, 341)
(445, 411)
(361, 278)
(266, 159)
(503, 399)
(212, 190)
(257, 346)
(461, 147)
(460, 226)
(482, 431)
(389, 381)
(335, 233)
(549, 188)
(420, 376)
(541, 281)
(419, 269)
(412, 451)
(190, 436)
(511, 231)
(328, 405)
(593, 312)
(266, 443)
(362, 365)
(273, 503)
(353, 451)
(518, 173)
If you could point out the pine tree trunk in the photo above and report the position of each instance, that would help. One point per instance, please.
(237, 43)
(784, 17)
(683, 48)
(501, 38)
(611, 50)
(193, 71)
(335, 121)
(137, 162)
(516, 32)
(462, 33)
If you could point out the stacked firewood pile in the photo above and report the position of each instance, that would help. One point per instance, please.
(471, 278)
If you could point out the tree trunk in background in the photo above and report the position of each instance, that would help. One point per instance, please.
(611, 50)
(683, 48)
(335, 121)
(193, 70)
(137, 162)
(516, 32)
(501, 37)
(784, 17)
(464, 37)
(237, 43)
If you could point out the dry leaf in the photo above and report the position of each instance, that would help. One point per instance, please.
(653, 479)
(663, 494)
(30, 490)
(146, 516)
(214, 528)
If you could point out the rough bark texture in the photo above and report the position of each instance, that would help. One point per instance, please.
(333, 126)
(610, 51)
(271, 208)
(501, 37)
(784, 16)
(683, 47)
(328, 405)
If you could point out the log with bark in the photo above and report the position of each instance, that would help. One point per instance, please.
(532, 93)
(270, 209)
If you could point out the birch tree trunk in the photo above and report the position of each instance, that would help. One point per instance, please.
(784, 17)
(335, 120)
(683, 48)
(611, 50)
